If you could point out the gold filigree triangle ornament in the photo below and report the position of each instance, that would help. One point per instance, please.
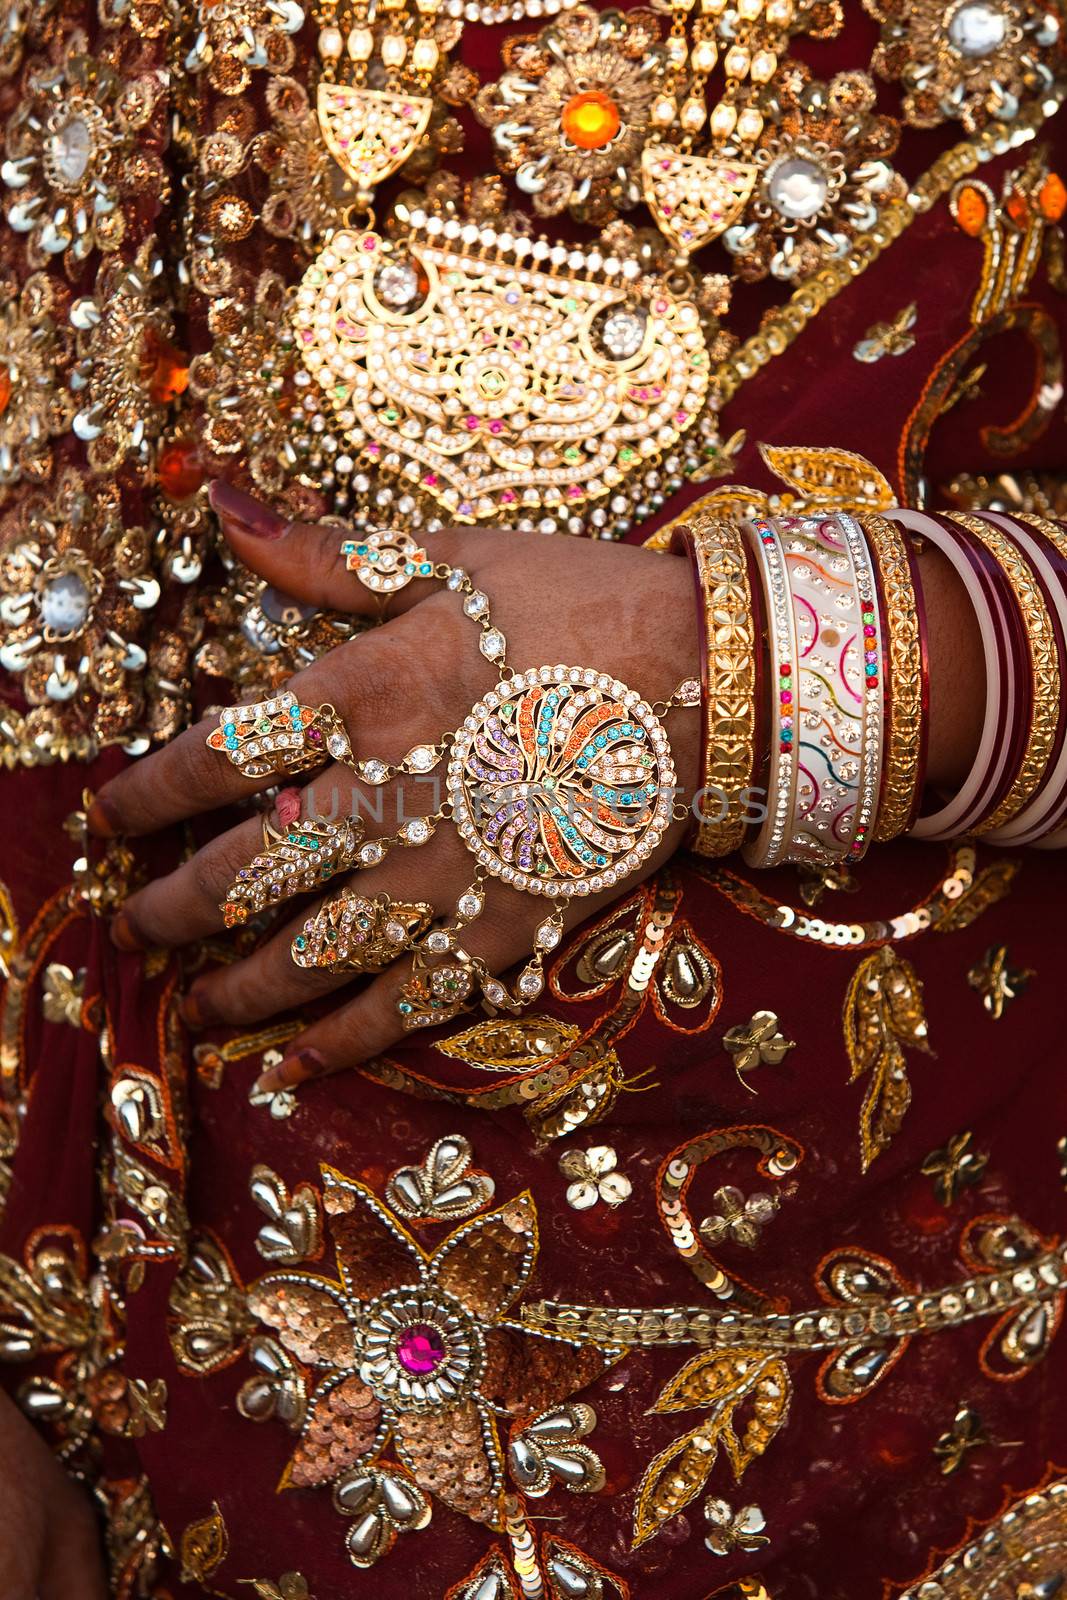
(694, 198)
(496, 372)
(370, 132)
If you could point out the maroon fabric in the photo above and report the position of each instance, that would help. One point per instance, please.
(855, 1498)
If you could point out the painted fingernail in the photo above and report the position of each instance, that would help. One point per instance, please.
(243, 514)
(124, 935)
(198, 1009)
(287, 806)
(297, 1068)
(102, 818)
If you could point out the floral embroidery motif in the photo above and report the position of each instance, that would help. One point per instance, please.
(971, 62)
(77, 153)
(416, 1348)
(823, 174)
(954, 1167)
(35, 347)
(730, 1530)
(445, 1188)
(549, 1450)
(571, 115)
(594, 1177)
(997, 981)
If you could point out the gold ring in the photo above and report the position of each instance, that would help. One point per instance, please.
(351, 933)
(279, 735)
(304, 856)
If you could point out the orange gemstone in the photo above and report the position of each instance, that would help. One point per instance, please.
(164, 368)
(971, 210)
(1053, 198)
(5, 389)
(1018, 208)
(590, 120)
(179, 470)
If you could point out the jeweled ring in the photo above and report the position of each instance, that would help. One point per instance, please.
(386, 560)
(301, 857)
(279, 735)
(351, 933)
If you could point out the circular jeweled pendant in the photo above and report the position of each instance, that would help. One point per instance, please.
(386, 561)
(561, 781)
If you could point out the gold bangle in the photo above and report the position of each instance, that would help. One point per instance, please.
(730, 713)
(906, 723)
(1044, 666)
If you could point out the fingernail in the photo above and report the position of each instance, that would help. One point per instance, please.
(287, 805)
(102, 818)
(297, 1068)
(243, 514)
(124, 935)
(198, 1010)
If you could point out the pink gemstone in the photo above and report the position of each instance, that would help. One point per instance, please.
(420, 1349)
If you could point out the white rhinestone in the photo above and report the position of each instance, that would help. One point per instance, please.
(476, 604)
(370, 854)
(494, 992)
(530, 983)
(547, 936)
(373, 771)
(977, 29)
(338, 746)
(70, 149)
(417, 831)
(395, 932)
(421, 759)
(797, 188)
(64, 603)
(438, 942)
(470, 906)
(491, 644)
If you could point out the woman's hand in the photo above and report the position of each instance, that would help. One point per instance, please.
(626, 611)
(49, 1540)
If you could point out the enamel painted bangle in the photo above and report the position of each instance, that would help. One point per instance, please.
(905, 676)
(950, 820)
(767, 846)
(1039, 730)
(838, 688)
(729, 661)
(1045, 544)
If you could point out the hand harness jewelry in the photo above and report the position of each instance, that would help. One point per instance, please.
(560, 782)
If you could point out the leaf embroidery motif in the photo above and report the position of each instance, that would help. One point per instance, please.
(723, 1381)
(204, 1546)
(883, 1016)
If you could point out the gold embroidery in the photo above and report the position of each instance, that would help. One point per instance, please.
(1020, 1555)
(204, 1546)
(954, 1167)
(291, 1232)
(758, 1042)
(723, 1383)
(883, 1015)
(61, 994)
(997, 981)
(148, 1406)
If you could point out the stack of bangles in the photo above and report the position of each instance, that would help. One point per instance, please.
(815, 687)
(561, 783)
